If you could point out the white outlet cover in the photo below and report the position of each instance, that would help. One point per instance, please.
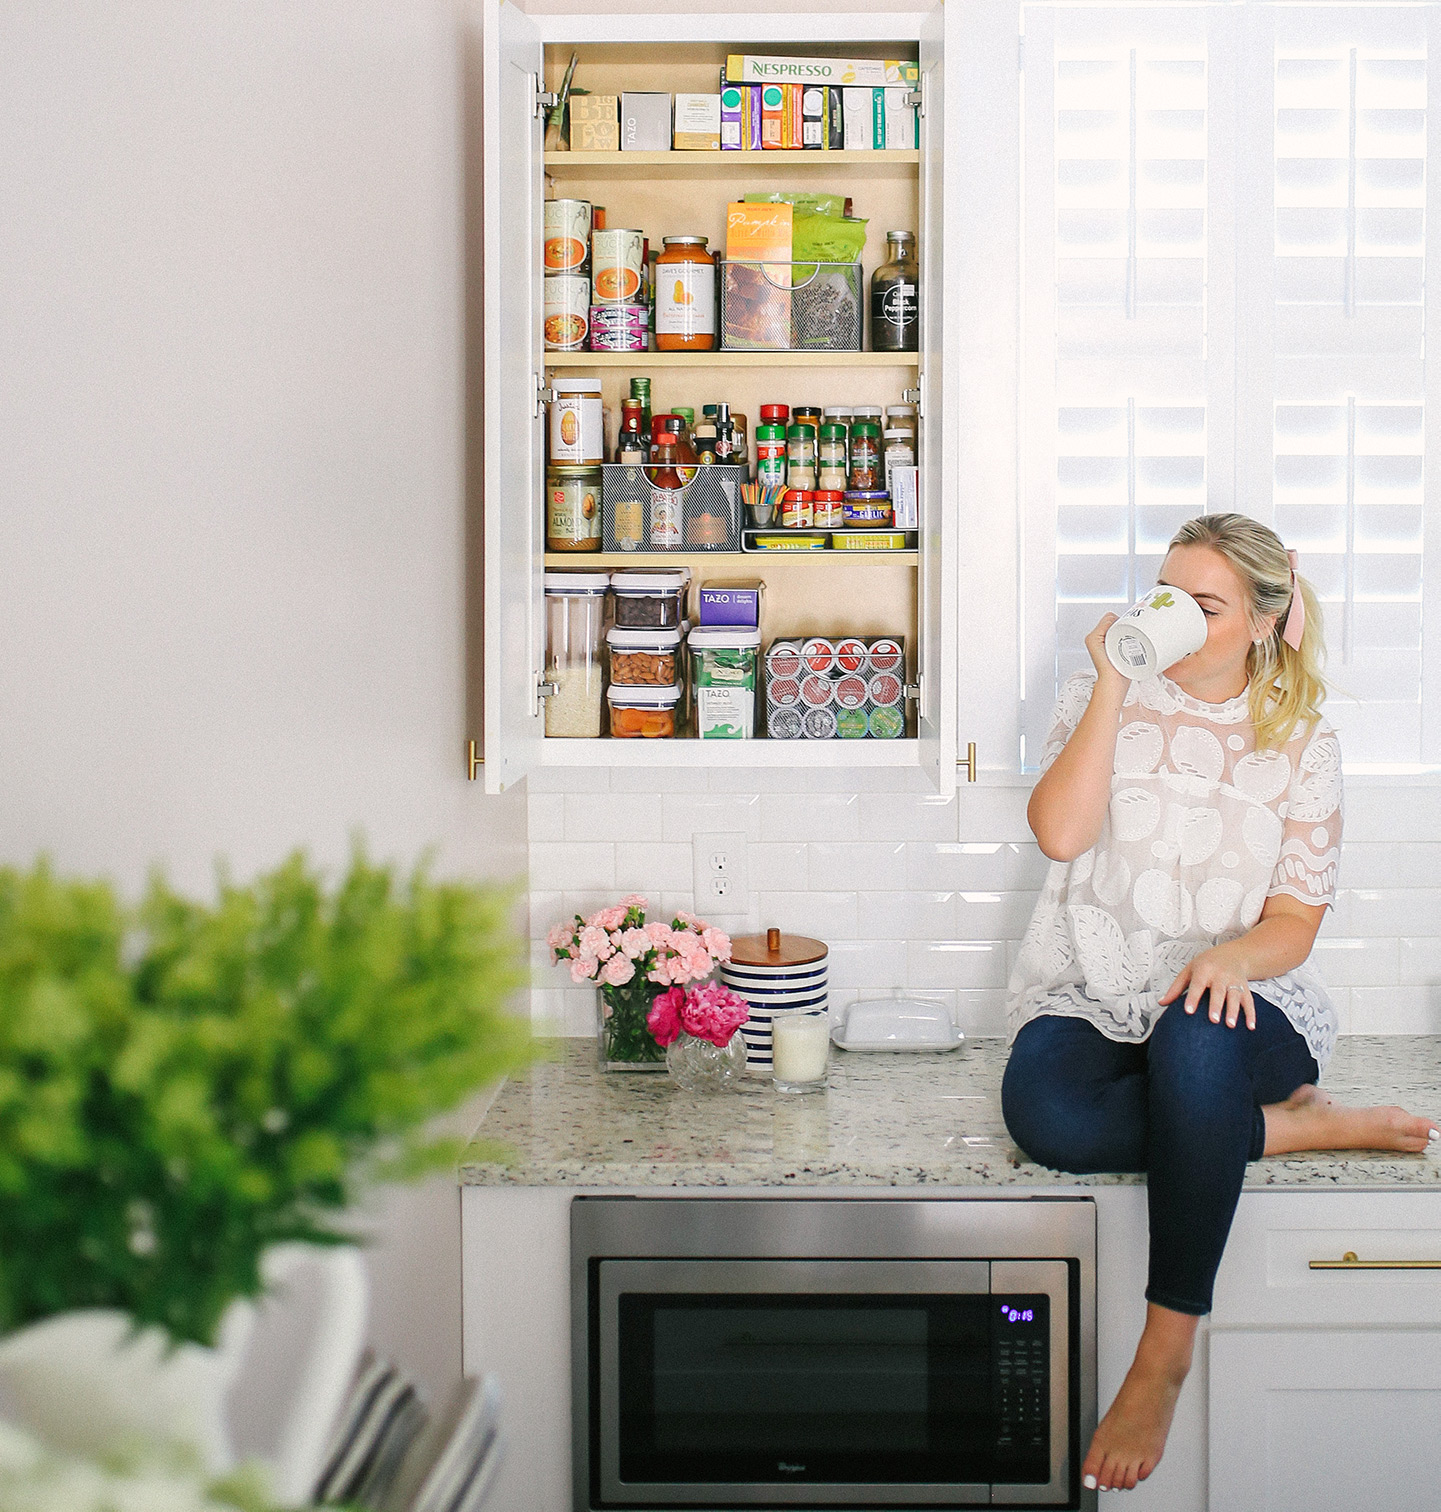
(721, 873)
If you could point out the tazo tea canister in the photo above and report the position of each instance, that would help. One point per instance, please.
(577, 432)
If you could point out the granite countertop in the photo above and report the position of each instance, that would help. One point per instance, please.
(896, 1120)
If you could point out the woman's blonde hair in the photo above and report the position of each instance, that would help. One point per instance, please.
(1285, 681)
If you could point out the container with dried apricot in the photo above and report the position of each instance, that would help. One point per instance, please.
(646, 713)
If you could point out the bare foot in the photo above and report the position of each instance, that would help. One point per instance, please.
(1311, 1119)
(1131, 1438)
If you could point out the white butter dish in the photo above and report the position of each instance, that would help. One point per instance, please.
(896, 1024)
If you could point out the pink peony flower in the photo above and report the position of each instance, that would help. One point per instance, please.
(583, 969)
(635, 943)
(717, 941)
(618, 970)
(713, 1013)
(595, 942)
(663, 1020)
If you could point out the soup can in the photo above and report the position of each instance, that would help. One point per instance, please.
(567, 235)
(619, 328)
(567, 306)
(616, 266)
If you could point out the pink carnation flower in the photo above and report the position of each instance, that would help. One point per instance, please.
(595, 942)
(583, 969)
(635, 943)
(608, 918)
(635, 901)
(663, 1020)
(717, 941)
(660, 972)
(658, 933)
(687, 918)
(618, 970)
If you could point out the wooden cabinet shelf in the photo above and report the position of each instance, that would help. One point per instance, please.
(731, 359)
(684, 164)
(758, 561)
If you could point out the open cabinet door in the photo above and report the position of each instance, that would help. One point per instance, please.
(939, 425)
(514, 598)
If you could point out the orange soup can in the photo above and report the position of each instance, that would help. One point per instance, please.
(617, 259)
(567, 235)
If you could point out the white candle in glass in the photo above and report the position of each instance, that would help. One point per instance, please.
(800, 1046)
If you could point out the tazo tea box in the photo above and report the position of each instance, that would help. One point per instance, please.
(732, 115)
(860, 124)
(697, 123)
(594, 123)
(900, 119)
(813, 116)
(644, 122)
(875, 72)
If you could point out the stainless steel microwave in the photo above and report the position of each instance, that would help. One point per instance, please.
(832, 1353)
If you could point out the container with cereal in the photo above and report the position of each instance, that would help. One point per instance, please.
(574, 611)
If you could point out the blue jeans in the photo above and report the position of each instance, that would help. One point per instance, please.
(1183, 1106)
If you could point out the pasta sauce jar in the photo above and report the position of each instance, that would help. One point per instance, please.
(685, 296)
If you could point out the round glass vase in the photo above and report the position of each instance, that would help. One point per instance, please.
(625, 1040)
(697, 1065)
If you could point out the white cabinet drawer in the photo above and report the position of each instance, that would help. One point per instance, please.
(1267, 1274)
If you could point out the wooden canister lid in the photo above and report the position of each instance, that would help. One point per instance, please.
(775, 949)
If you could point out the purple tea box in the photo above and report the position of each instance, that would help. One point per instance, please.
(731, 603)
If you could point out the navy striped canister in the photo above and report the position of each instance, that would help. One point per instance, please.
(775, 974)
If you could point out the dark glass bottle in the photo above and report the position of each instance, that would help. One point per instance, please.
(896, 297)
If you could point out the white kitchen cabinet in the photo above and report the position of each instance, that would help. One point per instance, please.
(914, 593)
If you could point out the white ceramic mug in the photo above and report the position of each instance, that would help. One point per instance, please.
(1155, 633)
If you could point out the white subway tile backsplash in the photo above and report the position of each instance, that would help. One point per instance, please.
(688, 814)
(948, 865)
(660, 780)
(1395, 911)
(828, 916)
(545, 814)
(568, 780)
(1356, 963)
(779, 866)
(993, 915)
(1026, 866)
(875, 965)
(1364, 863)
(906, 915)
(650, 867)
(956, 963)
(981, 1010)
(570, 864)
(994, 813)
(857, 865)
(832, 817)
(1396, 1010)
(1392, 813)
(1419, 961)
(907, 816)
(615, 816)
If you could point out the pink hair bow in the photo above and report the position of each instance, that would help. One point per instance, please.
(1296, 615)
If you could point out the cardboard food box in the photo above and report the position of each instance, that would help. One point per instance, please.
(738, 603)
(876, 72)
(732, 118)
(859, 112)
(595, 123)
(902, 127)
(697, 123)
(644, 122)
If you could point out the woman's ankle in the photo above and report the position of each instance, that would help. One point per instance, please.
(1167, 1343)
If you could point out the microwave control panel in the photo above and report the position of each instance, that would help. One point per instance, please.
(1021, 1385)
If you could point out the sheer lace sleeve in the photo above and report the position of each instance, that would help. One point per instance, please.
(1075, 696)
(1311, 837)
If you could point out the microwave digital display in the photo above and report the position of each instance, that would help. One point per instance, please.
(852, 1389)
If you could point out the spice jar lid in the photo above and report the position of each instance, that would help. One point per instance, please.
(865, 428)
(576, 385)
(646, 584)
(576, 582)
(828, 495)
(867, 412)
(865, 495)
(643, 696)
(830, 431)
(779, 412)
(619, 639)
(801, 431)
(722, 638)
(770, 431)
(897, 435)
(776, 949)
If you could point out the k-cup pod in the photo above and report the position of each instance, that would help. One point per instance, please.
(1156, 633)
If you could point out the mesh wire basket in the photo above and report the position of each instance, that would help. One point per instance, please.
(790, 307)
(710, 510)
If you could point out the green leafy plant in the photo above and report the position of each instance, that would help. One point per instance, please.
(184, 1085)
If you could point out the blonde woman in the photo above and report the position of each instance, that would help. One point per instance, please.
(1164, 1015)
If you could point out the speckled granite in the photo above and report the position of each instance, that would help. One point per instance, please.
(884, 1120)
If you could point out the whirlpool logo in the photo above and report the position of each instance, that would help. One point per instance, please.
(786, 1469)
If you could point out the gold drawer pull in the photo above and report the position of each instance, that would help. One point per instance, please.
(1348, 1261)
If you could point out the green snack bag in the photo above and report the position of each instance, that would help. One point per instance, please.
(817, 204)
(826, 238)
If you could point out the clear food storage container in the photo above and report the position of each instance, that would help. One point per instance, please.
(650, 600)
(723, 661)
(644, 657)
(574, 612)
(649, 713)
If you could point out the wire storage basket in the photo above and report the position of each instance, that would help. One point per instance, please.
(710, 509)
(790, 307)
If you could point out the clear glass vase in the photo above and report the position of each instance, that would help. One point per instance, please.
(699, 1066)
(625, 1040)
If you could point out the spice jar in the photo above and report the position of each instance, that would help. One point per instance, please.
(807, 414)
(648, 713)
(574, 610)
(798, 509)
(643, 658)
(900, 451)
(685, 296)
(649, 600)
(831, 457)
(828, 509)
(572, 508)
(577, 425)
(775, 414)
(770, 454)
(801, 457)
(865, 456)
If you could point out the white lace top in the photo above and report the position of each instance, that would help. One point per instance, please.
(1202, 828)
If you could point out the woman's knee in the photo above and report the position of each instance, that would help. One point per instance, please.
(1192, 1057)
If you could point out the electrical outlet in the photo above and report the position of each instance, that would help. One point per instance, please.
(721, 885)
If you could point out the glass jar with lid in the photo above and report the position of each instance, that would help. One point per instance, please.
(831, 457)
(801, 456)
(865, 455)
(574, 613)
(685, 296)
(572, 508)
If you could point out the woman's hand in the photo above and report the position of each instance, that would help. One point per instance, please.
(1219, 972)
(1107, 678)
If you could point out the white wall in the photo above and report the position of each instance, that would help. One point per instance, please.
(233, 545)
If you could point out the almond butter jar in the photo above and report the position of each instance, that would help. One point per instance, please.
(685, 296)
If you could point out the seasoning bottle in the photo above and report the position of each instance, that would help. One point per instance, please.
(770, 454)
(831, 458)
(865, 455)
(740, 433)
(640, 390)
(901, 417)
(775, 414)
(798, 509)
(725, 436)
(685, 296)
(829, 508)
(674, 426)
(895, 297)
(705, 443)
(801, 457)
(665, 495)
(900, 451)
(807, 414)
(633, 445)
(572, 512)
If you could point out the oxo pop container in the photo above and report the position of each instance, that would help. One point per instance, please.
(723, 661)
(650, 600)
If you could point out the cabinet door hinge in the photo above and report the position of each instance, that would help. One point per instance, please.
(913, 690)
(544, 395)
(917, 396)
(544, 100)
(917, 96)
